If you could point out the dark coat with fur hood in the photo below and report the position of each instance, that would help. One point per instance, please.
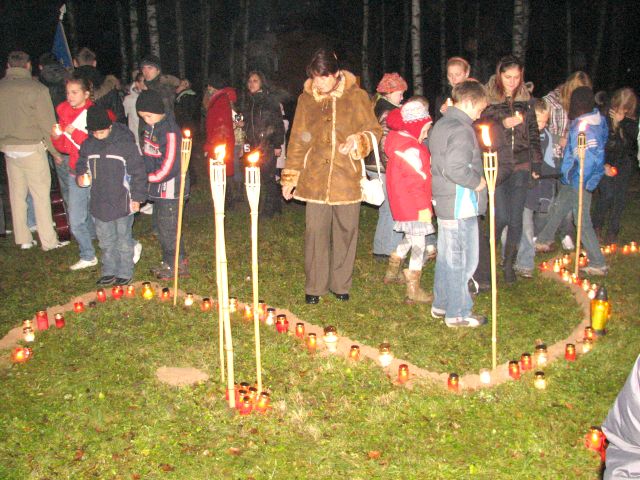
(320, 173)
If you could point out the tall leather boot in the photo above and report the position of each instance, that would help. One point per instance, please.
(510, 254)
(415, 294)
(393, 273)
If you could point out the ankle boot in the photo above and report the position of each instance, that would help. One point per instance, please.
(415, 294)
(510, 254)
(393, 274)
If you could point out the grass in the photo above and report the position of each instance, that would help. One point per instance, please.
(88, 404)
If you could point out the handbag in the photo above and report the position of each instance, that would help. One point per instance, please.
(372, 188)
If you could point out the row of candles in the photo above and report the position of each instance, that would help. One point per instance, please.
(631, 247)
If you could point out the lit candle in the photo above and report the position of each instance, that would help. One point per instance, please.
(42, 320)
(525, 362)
(233, 304)
(271, 316)
(130, 291)
(101, 295)
(540, 355)
(544, 266)
(245, 406)
(595, 438)
(28, 334)
(485, 376)
(282, 324)
(589, 333)
(566, 276)
(331, 338)
(312, 342)
(570, 352)
(253, 394)
(263, 402)
(27, 323)
(21, 354)
(575, 279)
(514, 369)
(453, 382)
(300, 330)
(633, 247)
(78, 307)
(205, 306)
(586, 285)
(613, 247)
(539, 381)
(587, 345)
(626, 250)
(556, 266)
(403, 373)
(248, 312)
(147, 291)
(84, 180)
(385, 356)
(354, 353)
(566, 259)
(600, 311)
(262, 309)
(165, 294)
(583, 260)
(188, 300)
(117, 292)
(59, 319)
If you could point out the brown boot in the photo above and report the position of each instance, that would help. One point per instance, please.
(393, 274)
(415, 294)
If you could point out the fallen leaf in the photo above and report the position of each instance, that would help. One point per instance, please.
(234, 451)
(374, 454)
(136, 476)
(79, 455)
(165, 467)
(569, 406)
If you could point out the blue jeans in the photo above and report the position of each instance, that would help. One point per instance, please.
(80, 220)
(166, 211)
(116, 244)
(456, 261)
(63, 178)
(386, 239)
(566, 202)
(526, 250)
(31, 213)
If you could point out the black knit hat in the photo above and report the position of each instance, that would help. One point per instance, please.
(97, 118)
(150, 101)
(152, 60)
(582, 101)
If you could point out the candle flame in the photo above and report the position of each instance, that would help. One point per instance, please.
(486, 139)
(583, 126)
(187, 133)
(253, 157)
(220, 152)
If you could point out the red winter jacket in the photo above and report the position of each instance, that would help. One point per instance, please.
(408, 176)
(70, 144)
(220, 125)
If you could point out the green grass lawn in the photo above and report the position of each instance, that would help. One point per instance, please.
(88, 404)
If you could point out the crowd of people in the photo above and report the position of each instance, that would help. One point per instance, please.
(115, 154)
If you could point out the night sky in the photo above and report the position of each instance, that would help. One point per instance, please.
(295, 28)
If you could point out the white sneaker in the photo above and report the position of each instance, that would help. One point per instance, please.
(137, 251)
(27, 246)
(58, 245)
(33, 229)
(147, 209)
(80, 264)
(567, 243)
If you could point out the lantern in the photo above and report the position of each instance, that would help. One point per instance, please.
(282, 324)
(331, 338)
(312, 342)
(514, 369)
(587, 345)
(485, 376)
(117, 292)
(262, 309)
(403, 373)
(557, 265)
(59, 319)
(28, 334)
(245, 406)
(165, 294)
(147, 291)
(595, 439)
(540, 355)
(453, 382)
(130, 291)
(566, 259)
(570, 352)
(566, 276)
(525, 362)
(586, 285)
(101, 295)
(21, 354)
(233, 304)
(205, 306)
(263, 403)
(253, 394)
(626, 250)
(354, 353)
(614, 247)
(589, 333)
(271, 316)
(42, 320)
(300, 330)
(539, 381)
(600, 311)
(248, 312)
(544, 266)
(633, 247)
(78, 307)
(188, 300)
(27, 323)
(385, 356)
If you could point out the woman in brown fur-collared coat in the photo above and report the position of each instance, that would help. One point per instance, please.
(323, 168)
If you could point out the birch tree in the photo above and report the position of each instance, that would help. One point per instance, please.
(133, 31)
(180, 39)
(124, 51)
(416, 56)
(366, 78)
(520, 37)
(152, 21)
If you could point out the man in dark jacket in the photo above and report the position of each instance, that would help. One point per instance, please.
(119, 182)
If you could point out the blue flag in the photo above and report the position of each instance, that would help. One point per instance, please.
(61, 47)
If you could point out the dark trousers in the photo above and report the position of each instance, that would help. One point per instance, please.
(270, 191)
(612, 192)
(166, 212)
(510, 198)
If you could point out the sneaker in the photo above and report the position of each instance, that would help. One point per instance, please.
(121, 281)
(599, 271)
(381, 257)
(147, 209)
(523, 272)
(106, 280)
(80, 264)
(137, 251)
(543, 247)
(437, 313)
(470, 321)
(58, 245)
(156, 270)
(567, 243)
(431, 252)
(27, 246)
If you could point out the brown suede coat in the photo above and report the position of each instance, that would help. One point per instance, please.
(320, 173)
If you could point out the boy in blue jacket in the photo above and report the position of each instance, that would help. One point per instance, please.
(582, 111)
(161, 150)
(119, 183)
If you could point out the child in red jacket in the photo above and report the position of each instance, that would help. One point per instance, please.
(409, 190)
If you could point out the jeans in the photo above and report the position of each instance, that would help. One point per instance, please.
(456, 261)
(386, 239)
(510, 199)
(613, 191)
(63, 178)
(80, 220)
(167, 217)
(270, 192)
(31, 213)
(568, 201)
(526, 250)
(116, 244)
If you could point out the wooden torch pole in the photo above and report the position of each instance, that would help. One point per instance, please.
(185, 156)
(582, 147)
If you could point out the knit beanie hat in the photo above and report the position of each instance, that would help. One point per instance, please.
(582, 101)
(150, 101)
(392, 82)
(97, 118)
(410, 118)
(151, 60)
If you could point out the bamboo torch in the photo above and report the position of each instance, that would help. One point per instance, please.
(490, 164)
(219, 155)
(185, 156)
(218, 177)
(252, 184)
(582, 147)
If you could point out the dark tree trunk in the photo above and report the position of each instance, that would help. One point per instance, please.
(597, 53)
(180, 39)
(405, 39)
(133, 32)
(443, 44)
(205, 8)
(569, 31)
(72, 30)
(366, 77)
(124, 51)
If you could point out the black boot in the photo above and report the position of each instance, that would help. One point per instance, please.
(510, 254)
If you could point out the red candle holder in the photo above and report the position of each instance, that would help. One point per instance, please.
(544, 266)
(312, 342)
(525, 362)
(453, 382)
(78, 307)
(117, 292)
(130, 291)
(262, 403)
(586, 285)
(205, 306)
(248, 312)
(42, 320)
(583, 261)
(614, 247)
(354, 353)
(514, 369)
(300, 330)
(21, 354)
(589, 333)
(633, 247)
(235, 391)
(59, 318)
(245, 405)
(101, 295)
(165, 294)
(570, 352)
(626, 250)
(595, 439)
(282, 324)
(403, 373)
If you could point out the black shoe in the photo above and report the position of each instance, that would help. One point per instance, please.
(122, 281)
(106, 280)
(343, 297)
(381, 257)
(311, 299)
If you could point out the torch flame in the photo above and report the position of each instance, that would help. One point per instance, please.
(486, 139)
(253, 157)
(187, 133)
(583, 126)
(220, 152)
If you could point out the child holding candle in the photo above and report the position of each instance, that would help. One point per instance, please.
(409, 190)
(161, 151)
(118, 187)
